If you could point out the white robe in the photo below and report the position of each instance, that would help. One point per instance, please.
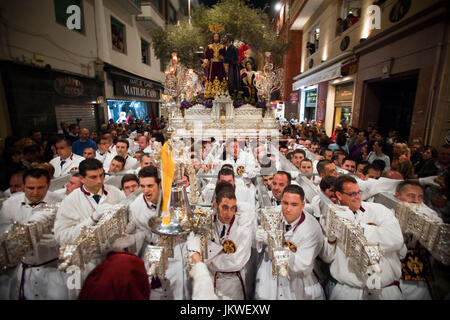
(130, 162)
(72, 162)
(224, 267)
(388, 234)
(76, 211)
(174, 285)
(417, 290)
(40, 283)
(244, 159)
(303, 284)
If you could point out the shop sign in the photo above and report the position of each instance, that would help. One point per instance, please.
(129, 87)
(311, 98)
(68, 87)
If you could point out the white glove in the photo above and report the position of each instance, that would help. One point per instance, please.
(429, 181)
(193, 243)
(39, 216)
(124, 242)
(261, 235)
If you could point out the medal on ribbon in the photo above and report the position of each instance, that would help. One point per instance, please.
(240, 170)
(291, 246)
(229, 247)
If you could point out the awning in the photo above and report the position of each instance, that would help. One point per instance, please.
(326, 71)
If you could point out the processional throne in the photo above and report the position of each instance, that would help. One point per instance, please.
(222, 117)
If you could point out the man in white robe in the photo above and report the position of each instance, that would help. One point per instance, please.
(230, 249)
(66, 160)
(122, 147)
(174, 285)
(304, 237)
(380, 226)
(412, 192)
(25, 207)
(85, 205)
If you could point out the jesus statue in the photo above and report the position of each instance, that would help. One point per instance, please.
(216, 81)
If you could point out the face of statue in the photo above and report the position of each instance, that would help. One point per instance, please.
(216, 38)
(249, 66)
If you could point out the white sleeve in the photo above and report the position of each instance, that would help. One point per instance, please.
(302, 261)
(69, 221)
(387, 231)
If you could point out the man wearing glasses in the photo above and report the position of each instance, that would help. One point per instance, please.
(379, 226)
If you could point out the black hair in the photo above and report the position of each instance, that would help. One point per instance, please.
(89, 164)
(348, 158)
(129, 177)
(303, 152)
(150, 172)
(34, 148)
(292, 188)
(287, 174)
(36, 173)
(343, 179)
(371, 166)
(224, 190)
(380, 164)
(60, 139)
(120, 159)
(124, 141)
(405, 183)
(327, 183)
(225, 172)
(321, 165)
(158, 137)
(306, 160)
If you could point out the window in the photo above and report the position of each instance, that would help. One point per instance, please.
(350, 15)
(158, 4)
(118, 35)
(183, 8)
(313, 44)
(61, 14)
(145, 50)
(172, 14)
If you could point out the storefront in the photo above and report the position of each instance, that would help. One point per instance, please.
(343, 102)
(43, 98)
(309, 104)
(130, 96)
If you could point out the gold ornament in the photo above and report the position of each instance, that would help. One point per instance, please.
(229, 247)
(240, 170)
(216, 28)
(291, 246)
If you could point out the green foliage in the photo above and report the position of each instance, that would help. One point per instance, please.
(236, 16)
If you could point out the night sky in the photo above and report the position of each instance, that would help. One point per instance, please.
(256, 3)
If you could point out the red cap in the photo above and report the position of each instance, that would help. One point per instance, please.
(122, 276)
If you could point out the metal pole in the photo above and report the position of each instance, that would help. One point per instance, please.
(189, 10)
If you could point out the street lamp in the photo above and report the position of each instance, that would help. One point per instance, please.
(278, 6)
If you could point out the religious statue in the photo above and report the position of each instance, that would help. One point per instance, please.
(231, 64)
(213, 63)
(248, 81)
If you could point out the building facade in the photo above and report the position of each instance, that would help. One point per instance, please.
(100, 69)
(366, 62)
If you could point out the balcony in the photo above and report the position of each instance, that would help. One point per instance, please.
(130, 6)
(150, 17)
